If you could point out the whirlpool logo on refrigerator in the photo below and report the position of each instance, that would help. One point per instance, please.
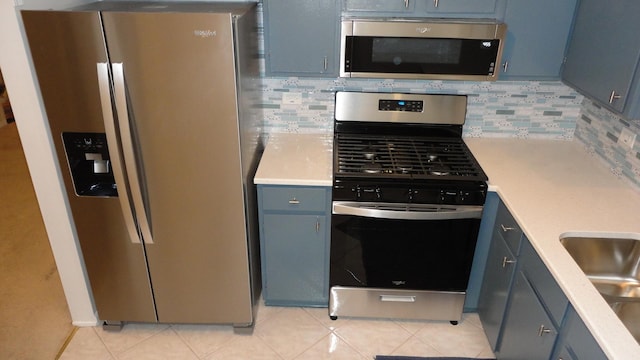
(204, 33)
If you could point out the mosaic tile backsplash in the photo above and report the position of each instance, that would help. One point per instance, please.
(525, 109)
(599, 129)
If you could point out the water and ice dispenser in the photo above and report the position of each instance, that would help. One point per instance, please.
(88, 159)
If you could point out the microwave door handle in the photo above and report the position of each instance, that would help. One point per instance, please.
(406, 211)
(114, 152)
(128, 148)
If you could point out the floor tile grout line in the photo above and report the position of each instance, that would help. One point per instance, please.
(177, 335)
(110, 351)
(68, 340)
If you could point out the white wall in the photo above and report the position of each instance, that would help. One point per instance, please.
(39, 152)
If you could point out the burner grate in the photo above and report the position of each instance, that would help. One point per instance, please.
(405, 156)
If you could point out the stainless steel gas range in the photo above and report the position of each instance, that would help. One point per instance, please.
(407, 200)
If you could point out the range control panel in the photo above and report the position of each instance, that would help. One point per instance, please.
(401, 105)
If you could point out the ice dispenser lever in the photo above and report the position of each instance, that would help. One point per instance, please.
(100, 165)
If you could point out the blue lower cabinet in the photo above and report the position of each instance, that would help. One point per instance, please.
(575, 340)
(529, 332)
(294, 244)
(524, 312)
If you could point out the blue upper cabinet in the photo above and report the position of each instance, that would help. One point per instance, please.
(301, 37)
(493, 9)
(603, 54)
(537, 33)
(397, 7)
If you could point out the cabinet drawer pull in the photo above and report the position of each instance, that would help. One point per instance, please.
(506, 228)
(294, 201)
(613, 97)
(435, 3)
(543, 330)
(317, 225)
(505, 66)
(506, 261)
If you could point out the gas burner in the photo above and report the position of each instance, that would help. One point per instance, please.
(439, 171)
(372, 168)
(431, 157)
(404, 168)
(369, 153)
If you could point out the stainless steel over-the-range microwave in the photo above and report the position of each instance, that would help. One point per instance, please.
(441, 49)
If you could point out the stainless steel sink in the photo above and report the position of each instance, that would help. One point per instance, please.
(613, 266)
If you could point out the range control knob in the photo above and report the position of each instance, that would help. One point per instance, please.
(448, 196)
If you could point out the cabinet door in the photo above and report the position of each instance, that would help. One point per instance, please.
(463, 6)
(576, 341)
(604, 50)
(537, 33)
(301, 37)
(294, 253)
(382, 6)
(528, 331)
(495, 288)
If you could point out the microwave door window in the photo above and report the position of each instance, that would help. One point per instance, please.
(422, 55)
(415, 52)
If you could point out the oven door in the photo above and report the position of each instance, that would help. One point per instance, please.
(403, 246)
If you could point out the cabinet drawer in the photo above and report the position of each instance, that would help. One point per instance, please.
(508, 228)
(294, 198)
(544, 284)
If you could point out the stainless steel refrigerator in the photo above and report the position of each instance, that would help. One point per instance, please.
(151, 110)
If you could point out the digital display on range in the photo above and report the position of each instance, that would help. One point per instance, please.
(400, 105)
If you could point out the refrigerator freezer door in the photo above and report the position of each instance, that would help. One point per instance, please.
(65, 47)
(180, 76)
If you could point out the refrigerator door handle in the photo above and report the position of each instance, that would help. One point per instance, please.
(128, 149)
(114, 150)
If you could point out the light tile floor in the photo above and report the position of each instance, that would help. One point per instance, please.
(283, 333)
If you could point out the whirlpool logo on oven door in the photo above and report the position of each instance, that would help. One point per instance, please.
(204, 33)
(398, 282)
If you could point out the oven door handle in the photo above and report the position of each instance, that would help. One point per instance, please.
(401, 211)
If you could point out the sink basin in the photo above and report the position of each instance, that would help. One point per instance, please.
(613, 266)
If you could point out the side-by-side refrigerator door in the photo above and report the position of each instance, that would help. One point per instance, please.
(179, 78)
(66, 48)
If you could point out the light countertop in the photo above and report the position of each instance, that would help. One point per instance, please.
(296, 159)
(552, 188)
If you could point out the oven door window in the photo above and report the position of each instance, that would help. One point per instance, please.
(421, 55)
(402, 254)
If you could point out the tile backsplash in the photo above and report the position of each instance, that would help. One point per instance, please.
(599, 129)
(525, 109)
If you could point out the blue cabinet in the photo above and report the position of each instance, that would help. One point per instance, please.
(603, 54)
(465, 8)
(535, 312)
(397, 7)
(499, 271)
(301, 37)
(491, 9)
(294, 244)
(485, 235)
(575, 341)
(537, 34)
(523, 310)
